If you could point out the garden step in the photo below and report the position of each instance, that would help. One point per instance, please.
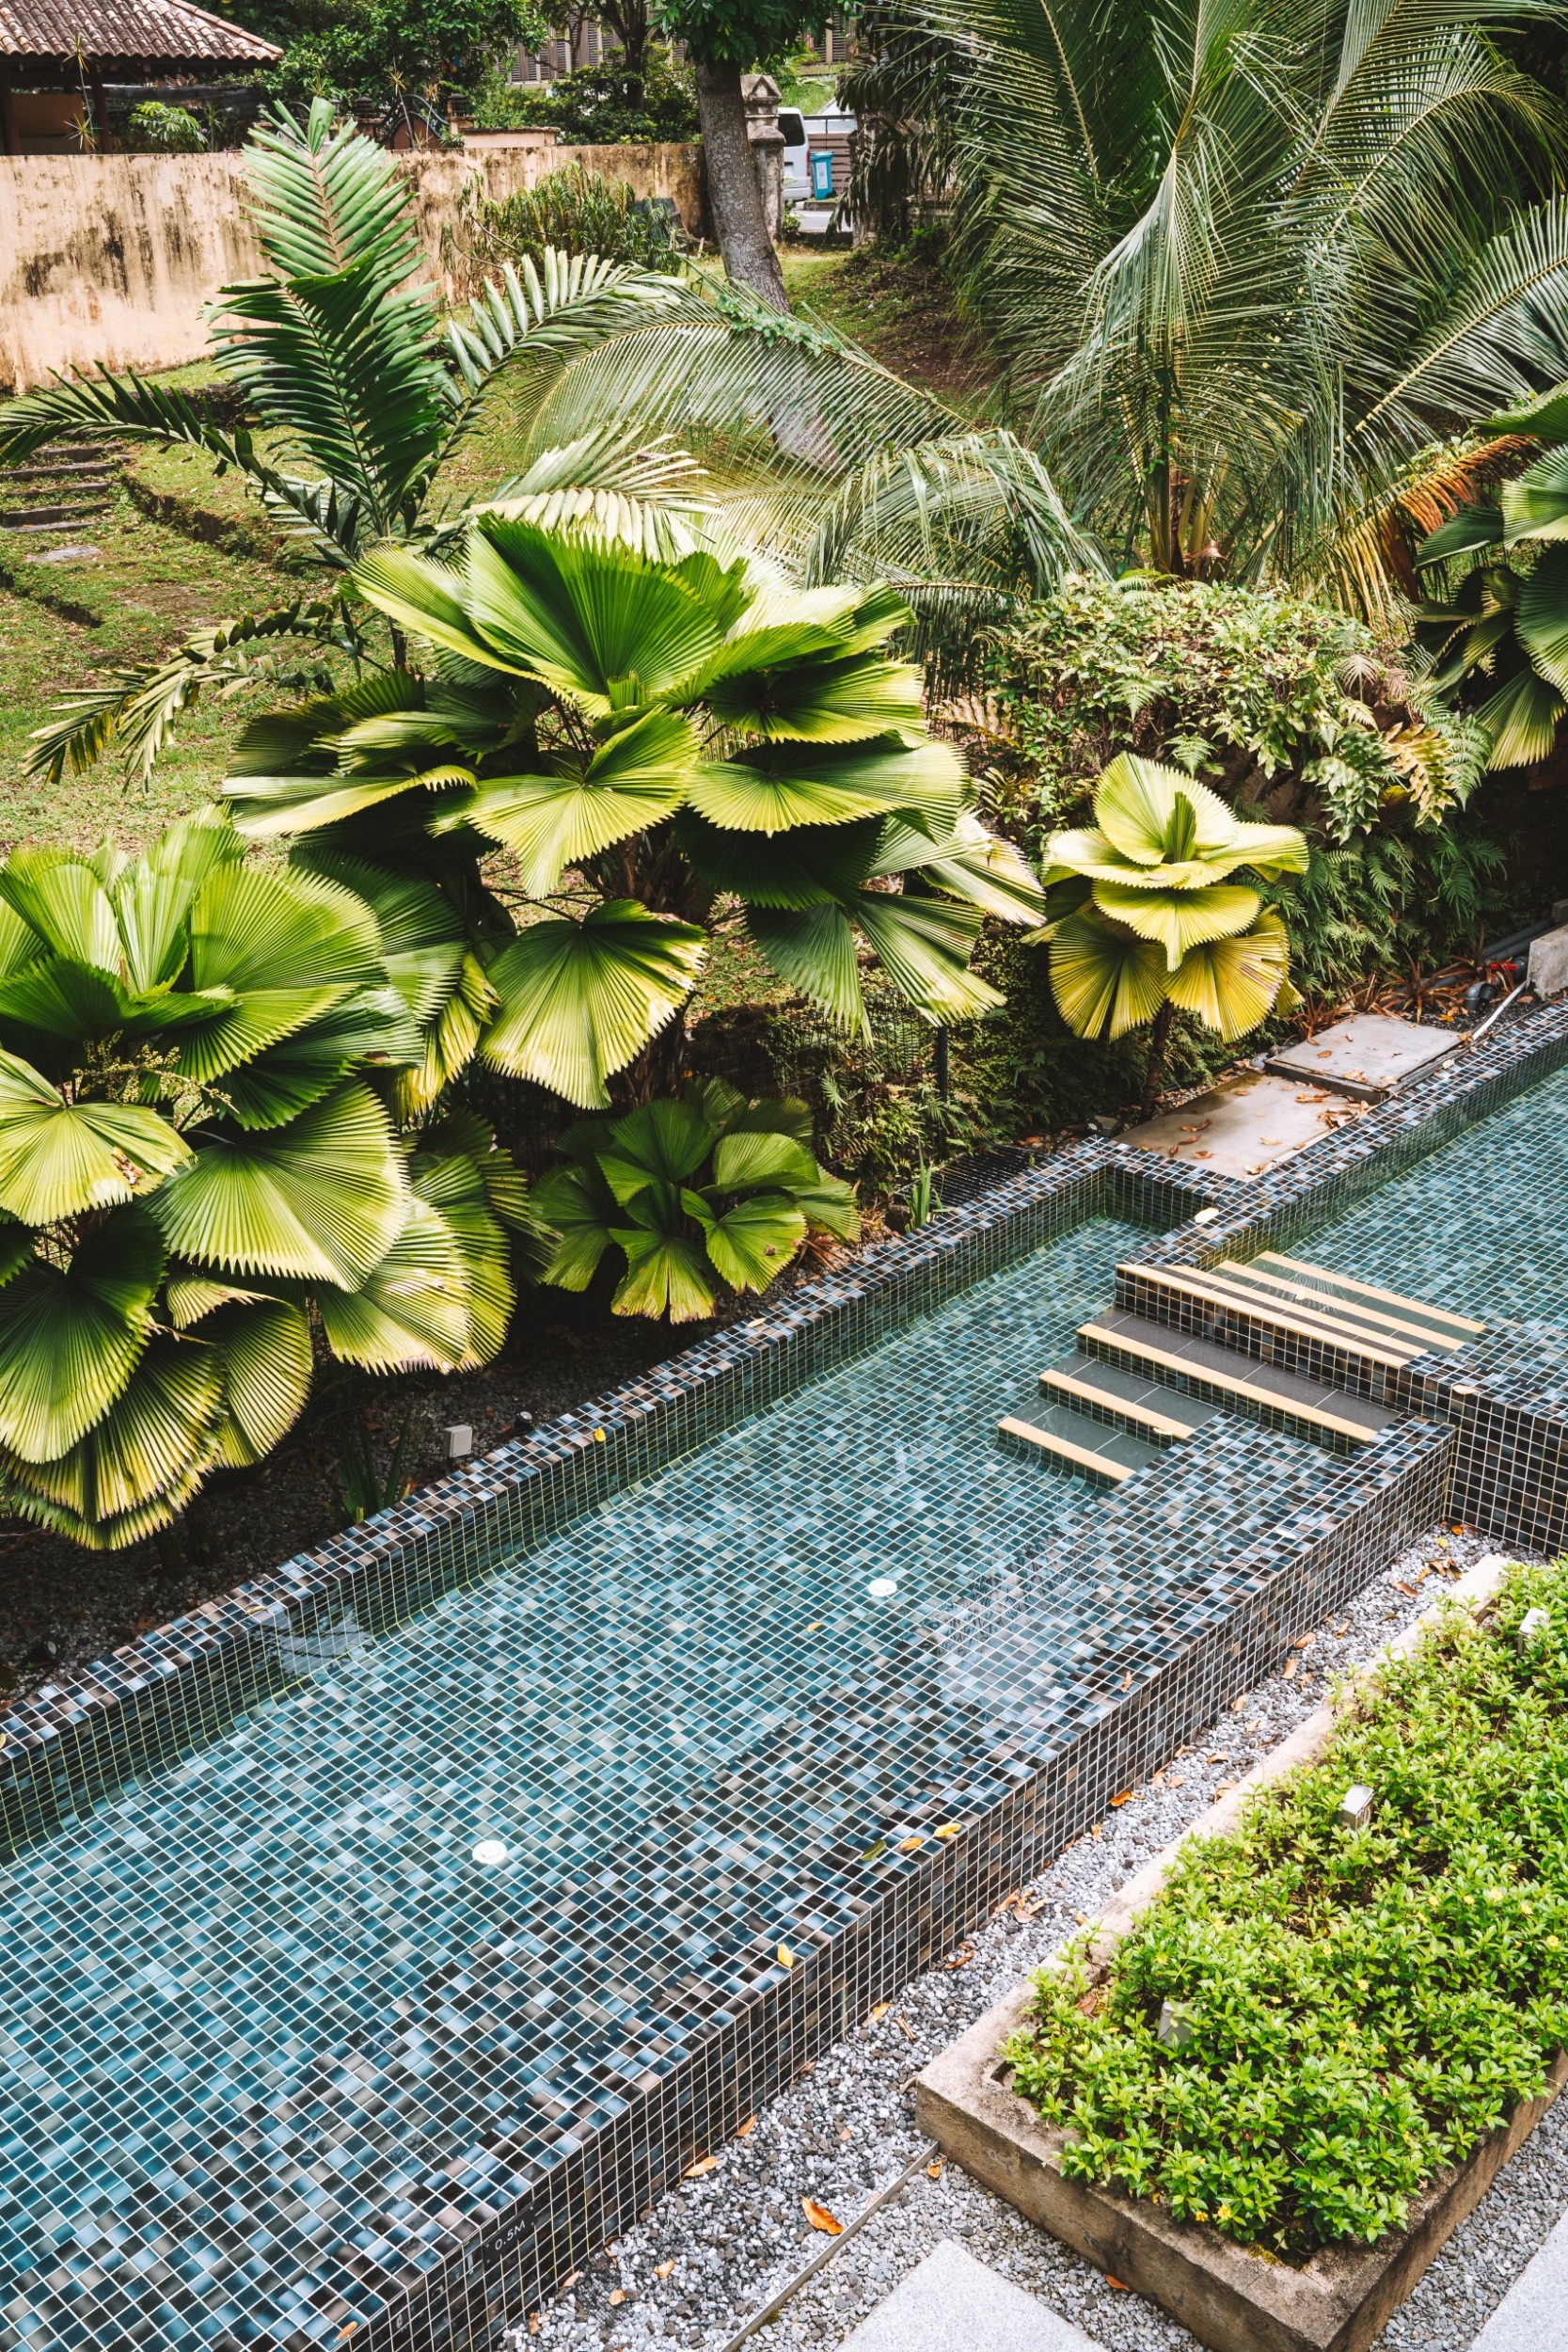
(46, 517)
(1210, 1291)
(1071, 1441)
(1200, 1368)
(79, 469)
(1439, 1326)
(1125, 1400)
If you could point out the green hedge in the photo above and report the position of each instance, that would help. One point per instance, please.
(1363, 2006)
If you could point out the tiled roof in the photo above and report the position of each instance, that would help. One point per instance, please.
(166, 33)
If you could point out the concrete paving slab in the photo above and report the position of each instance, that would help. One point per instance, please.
(1246, 1125)
(952, 2303)
(1371, 1055)
(1533, 2314)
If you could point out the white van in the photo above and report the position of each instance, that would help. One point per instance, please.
(816, 160)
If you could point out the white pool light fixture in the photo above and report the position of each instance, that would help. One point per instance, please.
(882, 1587)
(489, 1854)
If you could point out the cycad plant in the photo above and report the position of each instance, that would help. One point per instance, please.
(656, 747)
(701, 1194)
(1500, 636)
(1151, 913)
(200, 1168)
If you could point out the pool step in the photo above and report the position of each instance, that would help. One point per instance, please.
(1200, 1368)
(1130, 1401)
(1069, 1441)
(1305, 1315)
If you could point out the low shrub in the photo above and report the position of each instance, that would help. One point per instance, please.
(1359, 2008)
(572, 210)
(154, 129)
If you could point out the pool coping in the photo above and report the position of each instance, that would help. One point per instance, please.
(178, 1689)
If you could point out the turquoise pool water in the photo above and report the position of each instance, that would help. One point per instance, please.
(269, 2005)
(1478, 1226)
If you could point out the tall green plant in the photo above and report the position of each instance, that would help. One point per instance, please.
(198, 1166)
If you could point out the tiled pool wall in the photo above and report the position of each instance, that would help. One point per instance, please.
(177, 1689)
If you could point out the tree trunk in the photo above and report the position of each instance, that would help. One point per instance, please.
(733, 197)
(1155, 1069)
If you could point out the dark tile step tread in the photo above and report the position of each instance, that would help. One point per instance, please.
(1327, 1323)
(1080, 1442)
(1204, 1359)
(1350, 1291)
(1126, 1391)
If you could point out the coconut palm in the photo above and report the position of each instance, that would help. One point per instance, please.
(1502, 633)
(696, 1195)
(1148, 917)
(197, 1166)
(1240, 264)
(653, 744)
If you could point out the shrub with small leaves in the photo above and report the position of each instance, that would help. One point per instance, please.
(1364, 2005)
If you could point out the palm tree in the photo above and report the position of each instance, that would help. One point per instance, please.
(199, 1165)
(1148, 920)
(653, 744)
(1241, 265)
(1504, 625)
(705, 1192)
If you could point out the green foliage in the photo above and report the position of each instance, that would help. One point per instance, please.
(1271, 699)
(1156, 909)
(601, 105)
(200, 1164)
(370, 49)
(580, 695)
(1501, 635)
(571, 211)
(877, 1112)
(1363, 2006)
(705, 1193)
(153, 128)
(743, 33)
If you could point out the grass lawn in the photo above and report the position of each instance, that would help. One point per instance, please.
(902, 311)
(149, 586)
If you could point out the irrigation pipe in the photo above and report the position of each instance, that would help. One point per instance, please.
(1498, 1010)
(770, 2309)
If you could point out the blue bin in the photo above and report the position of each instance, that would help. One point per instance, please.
(822, 172)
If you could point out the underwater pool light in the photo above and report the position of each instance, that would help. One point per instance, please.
(882, 1587)
(489, 1852)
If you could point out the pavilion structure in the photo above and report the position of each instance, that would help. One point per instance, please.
(76, 46)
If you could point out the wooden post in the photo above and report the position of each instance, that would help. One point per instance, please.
(100, 105)
(11, 143)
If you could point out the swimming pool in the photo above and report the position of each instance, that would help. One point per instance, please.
(275, 2044)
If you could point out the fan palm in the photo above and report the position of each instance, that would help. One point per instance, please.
(196, 1161)
(652, 743)
(1505, 626)
(698, 1193)
(1148, 917)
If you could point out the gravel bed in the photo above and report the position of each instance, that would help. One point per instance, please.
(714, 2250)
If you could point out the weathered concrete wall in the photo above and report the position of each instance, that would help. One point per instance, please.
(108, 261)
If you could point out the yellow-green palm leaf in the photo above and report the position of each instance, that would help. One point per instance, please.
(1178, 919)
(1231, 984)
(59, 1158)
(1105, 981)
(577, 1000)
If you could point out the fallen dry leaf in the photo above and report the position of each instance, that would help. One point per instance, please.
(910, 1845)
(744, 2131)
(934, 2171)
(845, 2132)
(703, 2164)
(1120, 1799)
(949, 1829)
(786, 1957)
(1221, 1786)
(663, 2270)
(1127, 1682)
(1237, 1705)
(1291, 1669)
(820, 2218)
(534, 2322)
(906, 2029)
(1121, 2284)
(881, 2008)
(617, 2295)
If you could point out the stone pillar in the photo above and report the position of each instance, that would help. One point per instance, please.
(761, 93)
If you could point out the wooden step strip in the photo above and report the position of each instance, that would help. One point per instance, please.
(1371, 1290)
(1162, 1424)
(1081, 1456)
(1302, 1295)
(1393, 1354)
(1230, 1384)
(1334, 1315)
